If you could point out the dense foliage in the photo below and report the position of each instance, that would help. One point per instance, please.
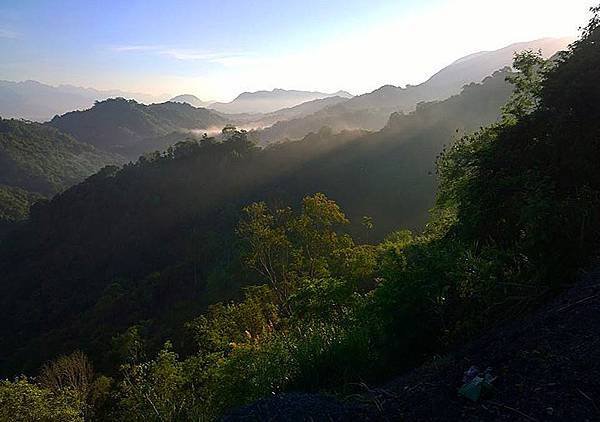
(15, 203)
(38, 158)
(131, 129)
(154, 243)
(515, 216)
(37, 161)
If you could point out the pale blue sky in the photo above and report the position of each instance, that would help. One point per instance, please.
(215, 49)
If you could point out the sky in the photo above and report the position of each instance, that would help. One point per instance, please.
(216, 49)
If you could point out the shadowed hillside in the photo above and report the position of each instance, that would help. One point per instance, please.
(413, 253)
(176, 213)
(127, 128)
(370, 111)
(37, 161)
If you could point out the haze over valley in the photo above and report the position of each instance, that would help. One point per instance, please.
(300, 211)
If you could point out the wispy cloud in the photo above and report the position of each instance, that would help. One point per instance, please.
(185, 54)
(7, 33)
(127, 48)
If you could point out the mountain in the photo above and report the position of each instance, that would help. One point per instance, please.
(335, 117)
(36, 101)
(41, 159)
(14, 207)
(270, 101)
(304, 274)
(155, 243)
(450, 80)
(36, 162)
(191, 100)
(264, 120)
(370, 111)
(130, 129)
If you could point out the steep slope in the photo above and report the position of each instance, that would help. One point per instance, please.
(393, 169)
(270, 101)
(451, 79)
(546, 367)
(33, 100)
(515, 221)
(39, 158)
(130, 128)
(14, 207)
(370, 111)
(156, 241)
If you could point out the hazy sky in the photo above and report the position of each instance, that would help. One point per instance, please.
(216, 49)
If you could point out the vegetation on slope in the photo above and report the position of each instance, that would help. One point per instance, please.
(155, 241)
(370, 111)
(128, 128)
(516, 215)
(41, 159)
(37, 161)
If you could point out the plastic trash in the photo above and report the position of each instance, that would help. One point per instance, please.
(476, 384)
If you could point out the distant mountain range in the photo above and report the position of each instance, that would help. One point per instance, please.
(130, 129)
(270, 101)
(263, 120)
(191, 100)
(36, 101)
(451, 79)
(371, 111)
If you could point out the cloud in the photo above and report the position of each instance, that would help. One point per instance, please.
(403, 48)
(183, 54)
(128, 48)
(187, 54)
(7, 33)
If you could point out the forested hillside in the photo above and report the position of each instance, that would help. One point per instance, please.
(370, 111)
(14, 206)
(170, 218)
(41, 159)
(131, 129)
(216, 273)
(37, 161)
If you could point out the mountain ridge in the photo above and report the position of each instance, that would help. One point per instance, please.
(191, 100)
(370, 111)
(157, 205)
(270, 101)
(37, 101)
(127, 127)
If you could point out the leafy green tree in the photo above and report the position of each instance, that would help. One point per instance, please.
(270, 250)
(25, 401)
(531, 68)
(156, 390)
(284, 248)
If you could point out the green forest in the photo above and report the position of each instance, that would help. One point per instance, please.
(213, 273)
(38, 161)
